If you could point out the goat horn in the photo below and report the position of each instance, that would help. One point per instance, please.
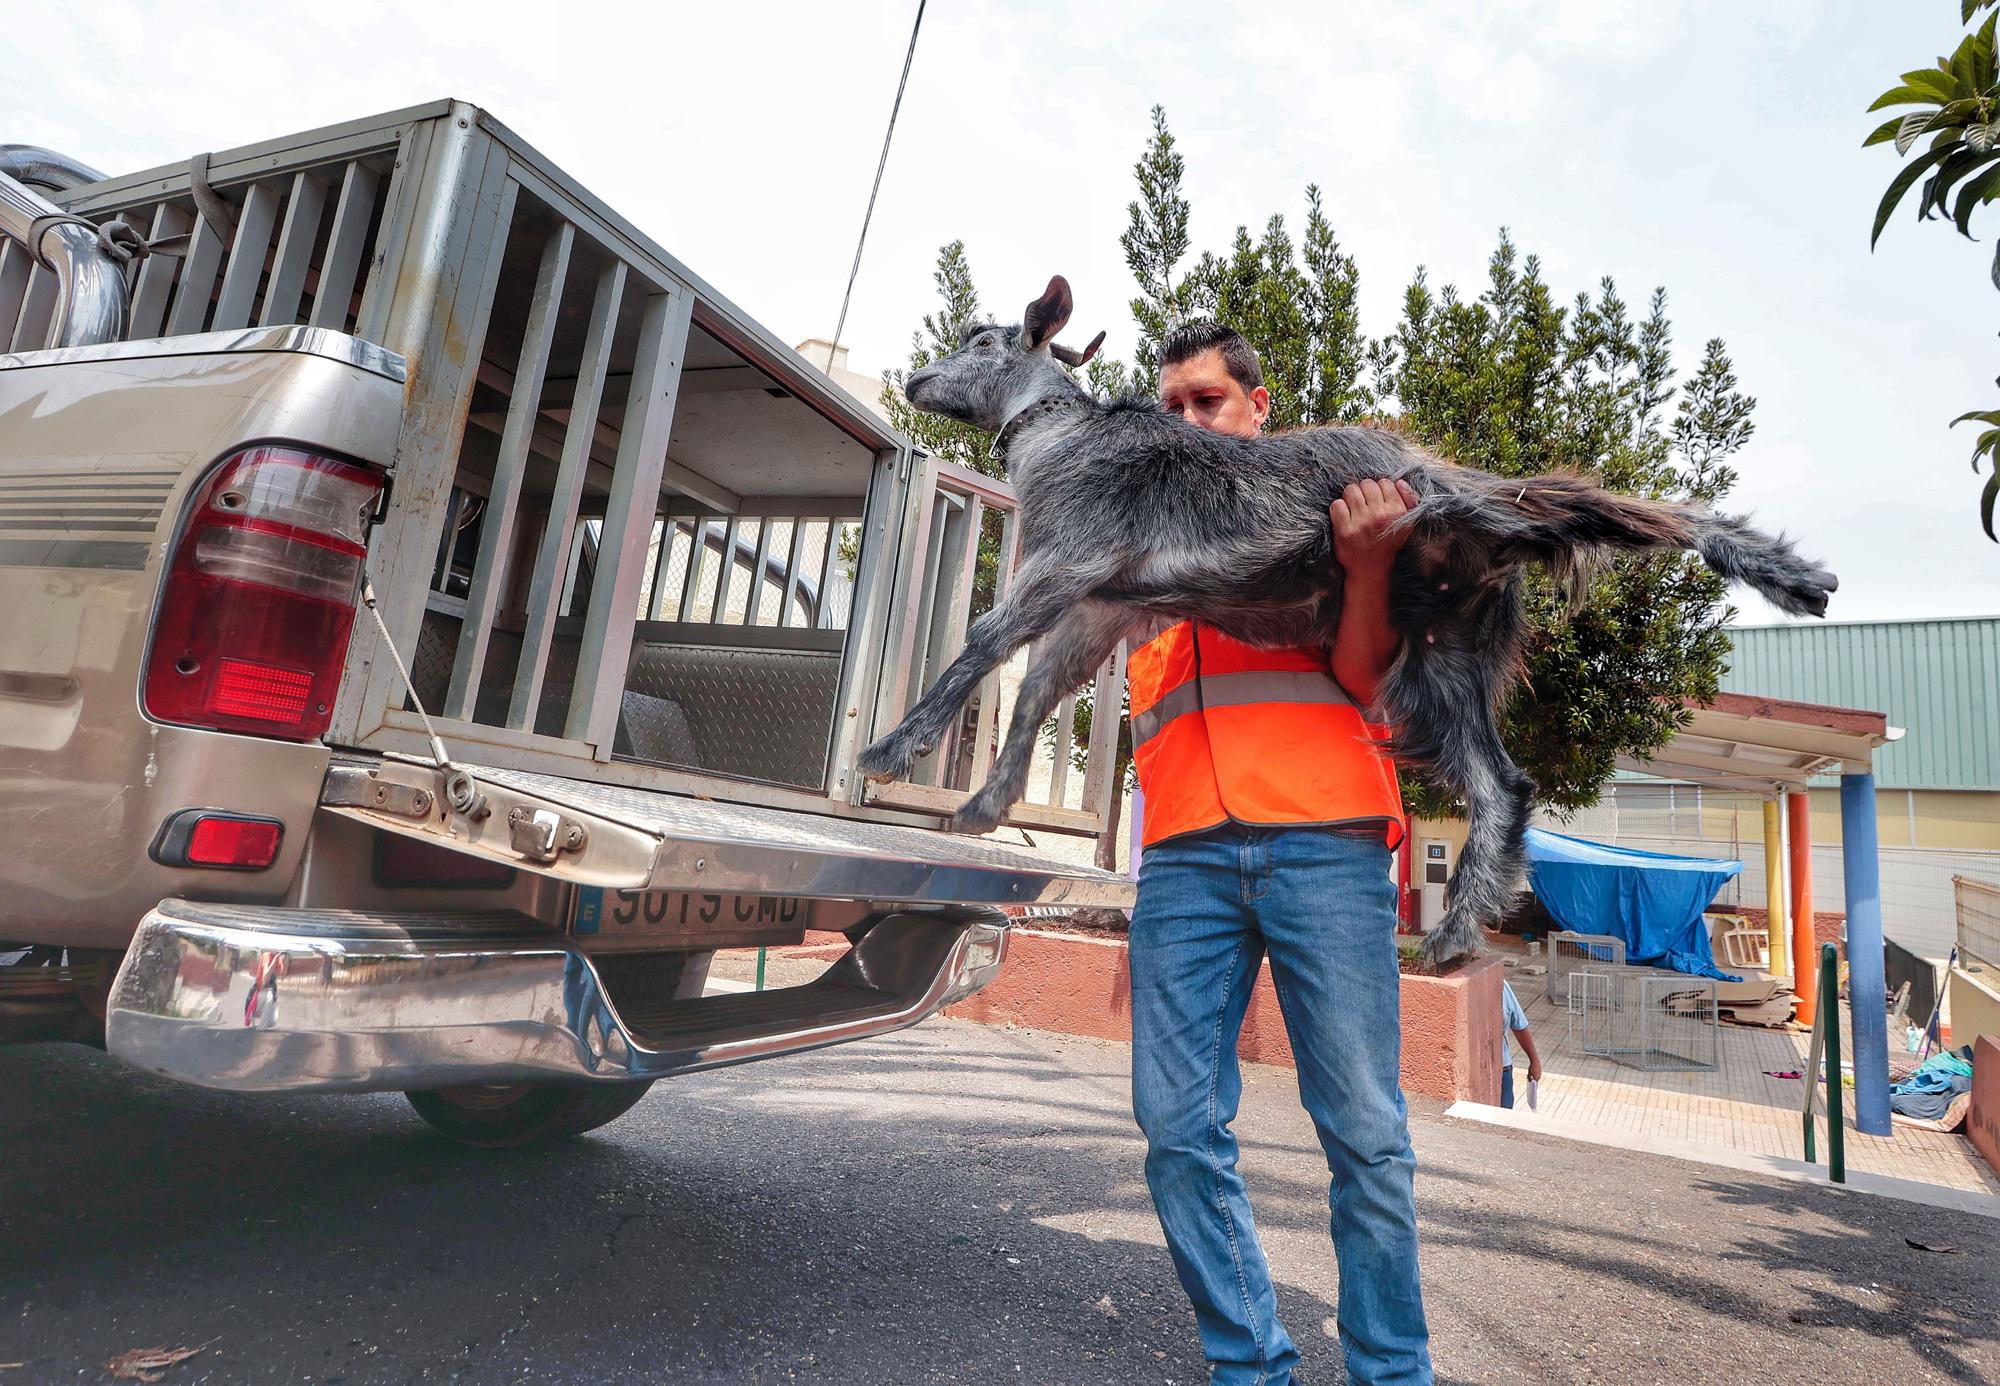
(1070, 356)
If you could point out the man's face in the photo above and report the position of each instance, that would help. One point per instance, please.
(1202, 391)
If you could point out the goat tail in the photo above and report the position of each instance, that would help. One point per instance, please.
(1574, 526)
(1768, 563)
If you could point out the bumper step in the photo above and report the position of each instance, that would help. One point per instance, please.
(273, 1000)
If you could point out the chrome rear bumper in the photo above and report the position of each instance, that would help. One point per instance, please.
(271, 1000)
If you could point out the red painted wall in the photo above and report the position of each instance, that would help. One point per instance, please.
(1982, 1121)
(1083, 986)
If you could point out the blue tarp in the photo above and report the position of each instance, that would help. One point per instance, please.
(1651, 900)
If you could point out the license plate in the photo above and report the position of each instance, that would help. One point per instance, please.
(602, 913)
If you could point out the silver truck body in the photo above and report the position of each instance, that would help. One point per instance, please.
(654, 578)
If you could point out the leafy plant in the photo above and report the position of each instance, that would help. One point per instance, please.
(1987, 445)
(1960, 118)
(1515, 383)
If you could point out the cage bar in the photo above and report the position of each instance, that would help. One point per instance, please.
(245, 271)
(546, 584)
(155, 284)
(197, 279)
(297, 239)
(628, 520)
(353, 213)
(496, 539)
(16, 263)
(38, 307)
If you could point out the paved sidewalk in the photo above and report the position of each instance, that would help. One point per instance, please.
(1735, 1110)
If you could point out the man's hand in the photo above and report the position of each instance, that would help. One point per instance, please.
(1534, 1070)
(1366, 644)
(1361, 518)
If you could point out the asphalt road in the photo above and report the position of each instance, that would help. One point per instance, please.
(954, 1204)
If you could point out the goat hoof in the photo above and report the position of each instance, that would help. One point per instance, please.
(976, 819)
(879, 764)
(1454, 939)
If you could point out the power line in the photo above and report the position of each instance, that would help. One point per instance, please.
(880, 164)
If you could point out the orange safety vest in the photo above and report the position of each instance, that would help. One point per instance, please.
(1225, 732)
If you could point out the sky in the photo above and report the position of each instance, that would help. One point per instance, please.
(1711, 146)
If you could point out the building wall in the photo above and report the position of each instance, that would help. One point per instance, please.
(1938, 680)
(1938, 819)
(1918, 909)
(864, 387)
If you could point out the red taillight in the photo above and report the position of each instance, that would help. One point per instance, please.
(260, 691)
(215, 838)
(259, 601)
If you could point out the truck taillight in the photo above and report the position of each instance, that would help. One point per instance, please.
(259, 601)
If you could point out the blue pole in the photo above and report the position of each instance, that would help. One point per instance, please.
(1861, 870)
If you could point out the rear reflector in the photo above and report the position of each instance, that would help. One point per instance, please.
(219, 840)
(237, 842)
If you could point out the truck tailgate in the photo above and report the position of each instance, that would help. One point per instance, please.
(626, 838)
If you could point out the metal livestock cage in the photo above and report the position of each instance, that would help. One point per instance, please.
(633, 537)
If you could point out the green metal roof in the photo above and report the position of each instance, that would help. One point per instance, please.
(1939, 680)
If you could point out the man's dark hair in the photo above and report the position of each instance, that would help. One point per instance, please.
(1191, 339)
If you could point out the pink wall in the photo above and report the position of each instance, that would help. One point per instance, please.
(1083, 986)
(1982, 1122)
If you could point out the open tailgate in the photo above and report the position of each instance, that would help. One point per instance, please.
(623, 838)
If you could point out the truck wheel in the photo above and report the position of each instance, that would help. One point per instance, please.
(499, 1116)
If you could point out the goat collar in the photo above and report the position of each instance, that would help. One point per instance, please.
(1047, 404)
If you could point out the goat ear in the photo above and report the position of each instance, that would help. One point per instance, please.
(1046, 315)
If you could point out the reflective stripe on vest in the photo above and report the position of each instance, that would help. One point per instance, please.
(1223, 731)
(1236, 690)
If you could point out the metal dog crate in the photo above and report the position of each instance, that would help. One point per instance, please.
(1570, 951)
(633, 537)
(1646, 1019)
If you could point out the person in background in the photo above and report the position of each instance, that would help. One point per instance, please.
(1512, 1017)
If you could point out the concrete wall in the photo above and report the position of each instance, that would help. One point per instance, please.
(1974, 1004)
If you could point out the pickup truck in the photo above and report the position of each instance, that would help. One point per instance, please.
(434, 622)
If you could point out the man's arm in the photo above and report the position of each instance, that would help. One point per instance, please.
(1526, 1038)
(1366, 644)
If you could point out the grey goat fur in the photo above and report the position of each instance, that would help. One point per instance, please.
(1127, 514)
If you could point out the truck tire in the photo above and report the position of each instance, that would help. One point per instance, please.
(499, 1116)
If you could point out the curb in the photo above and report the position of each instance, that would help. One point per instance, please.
(1793, 1171)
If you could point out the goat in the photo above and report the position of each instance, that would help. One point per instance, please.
(1128, 514)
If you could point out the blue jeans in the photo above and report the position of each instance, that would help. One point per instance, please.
(1507, 1085)
(1321, 904)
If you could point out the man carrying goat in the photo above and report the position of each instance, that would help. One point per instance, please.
(1127, 514)
(1257, 847)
